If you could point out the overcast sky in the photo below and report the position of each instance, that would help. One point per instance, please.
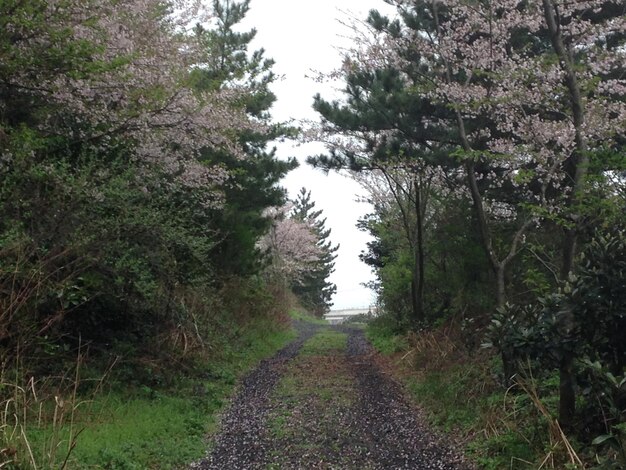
(304, 36)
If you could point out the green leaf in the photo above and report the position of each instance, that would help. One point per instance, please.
(602, 439)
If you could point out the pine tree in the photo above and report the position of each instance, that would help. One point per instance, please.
(314, 290)
(253, 186)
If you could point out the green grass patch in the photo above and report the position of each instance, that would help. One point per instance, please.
(325, 342)
(137, 433)
(306, 317)
(384, 338)
(278, 424)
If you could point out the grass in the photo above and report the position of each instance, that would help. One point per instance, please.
(382, 336)
(324, 343)
(137, 433)
(306, 317)
(139, 427)
(485, 421)
(502, 429)
(311, 400)
(278, 424)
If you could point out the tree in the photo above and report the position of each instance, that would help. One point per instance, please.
(313, 289)
(110, 209)
(381, 116)
(509, 90)
(252, 185)
(292, 246)
(494, 57)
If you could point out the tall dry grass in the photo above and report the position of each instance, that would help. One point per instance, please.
(38, 417)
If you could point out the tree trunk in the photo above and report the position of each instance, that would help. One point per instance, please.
(570, 239)
(415, 300)
(419, 253)
(579, 161)
(509, 368)
(500, 285)
(477, 199)
(497, 267)
(414, 238)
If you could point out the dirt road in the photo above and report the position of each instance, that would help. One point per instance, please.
(323, 403)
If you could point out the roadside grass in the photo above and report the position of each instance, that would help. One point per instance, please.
(501, 429)
(138, 426)
(382, 336)
(301, 315)
(136, 433)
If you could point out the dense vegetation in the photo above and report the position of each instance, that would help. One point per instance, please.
(138, 193)
(148, 255)
(489, 136)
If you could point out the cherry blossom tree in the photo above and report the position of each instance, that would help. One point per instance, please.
(524, 95)
(488, 64)
(102, 138)
(493, 60)
(105, 72)
(291, 244)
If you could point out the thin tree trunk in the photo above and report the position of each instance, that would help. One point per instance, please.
(501, 285)
(414, 237)
(498, 267)
(419, 252)
(567, 391)
(472, 183)
(415, 300)
(485, 235)
(579, 163)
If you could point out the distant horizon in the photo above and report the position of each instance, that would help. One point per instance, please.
(367, 307)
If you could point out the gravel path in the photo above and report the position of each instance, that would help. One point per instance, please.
(326, 409)
(242, 440)
(398, 434)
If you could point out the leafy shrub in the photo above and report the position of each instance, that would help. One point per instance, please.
(585, 319)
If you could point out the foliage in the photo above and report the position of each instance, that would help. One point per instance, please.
(133, 424)
(314, 290)
(135, 174)
(583, 319)
(299, 256)
(499, 428)
(384, 334)
(489, 138)
(252, 186)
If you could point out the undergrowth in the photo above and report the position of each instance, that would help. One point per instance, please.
(146, 407)
(512, 428)
(302, 315)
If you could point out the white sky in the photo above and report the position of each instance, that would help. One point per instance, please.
(303, 36)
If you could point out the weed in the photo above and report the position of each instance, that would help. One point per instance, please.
(47, 424)
(512, 428)
(385, 338)
(26, 409)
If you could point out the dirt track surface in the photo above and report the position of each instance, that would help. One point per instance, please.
(323, 403)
